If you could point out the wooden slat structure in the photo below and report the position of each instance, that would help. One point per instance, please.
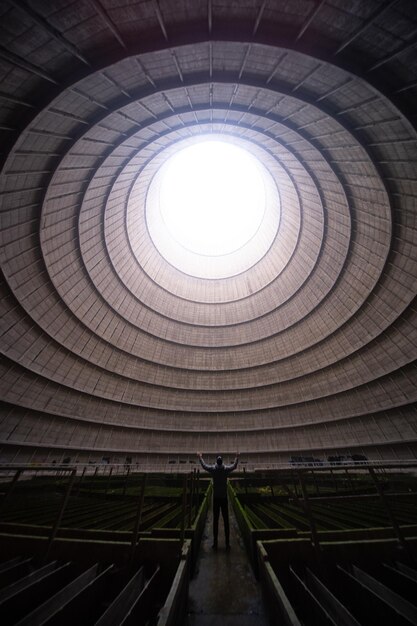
(116, 548)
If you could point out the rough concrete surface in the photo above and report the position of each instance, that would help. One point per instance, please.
(224, 590)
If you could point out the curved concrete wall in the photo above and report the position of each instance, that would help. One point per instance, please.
(111, 351)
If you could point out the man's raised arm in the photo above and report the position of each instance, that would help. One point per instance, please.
(203, 464)
(233, 466)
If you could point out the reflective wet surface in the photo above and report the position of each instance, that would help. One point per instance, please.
(224, 590)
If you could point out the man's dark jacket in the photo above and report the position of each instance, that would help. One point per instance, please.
(219, 474)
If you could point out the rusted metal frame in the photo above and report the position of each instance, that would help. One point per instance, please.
(184, 509)
(308, 511)
(138, 518)
(368, 22)
(61, 511)
(309, 19)
(11, 488)
(396, 527)
(46, 26)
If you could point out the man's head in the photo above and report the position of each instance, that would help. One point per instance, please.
(219, 460)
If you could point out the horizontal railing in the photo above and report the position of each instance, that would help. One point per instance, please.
(187, 467)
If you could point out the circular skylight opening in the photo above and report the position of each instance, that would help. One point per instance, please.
(212, 197)
(212, 208)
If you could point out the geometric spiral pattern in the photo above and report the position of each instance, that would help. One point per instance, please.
(110, 350)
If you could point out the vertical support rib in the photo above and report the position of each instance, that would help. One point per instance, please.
(10, 490)
(58, 520)
(209, 16)
(245, 482)
(316, 484)
(198, 489)
(384, 500)
(126, 481)
(308, 511)
(108, 480)
(81, 479)
(310, 18)
(92, 480)
(371, 19)
(136, 527)
(184, 508)
(190, 510)
(109, 23)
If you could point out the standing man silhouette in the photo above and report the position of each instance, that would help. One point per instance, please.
(219, 474)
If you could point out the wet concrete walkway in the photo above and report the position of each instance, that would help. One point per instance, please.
(224, 591)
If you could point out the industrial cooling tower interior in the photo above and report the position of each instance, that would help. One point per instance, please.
(124, 341)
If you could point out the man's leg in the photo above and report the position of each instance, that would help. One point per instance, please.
(216, 514)
(225, 515)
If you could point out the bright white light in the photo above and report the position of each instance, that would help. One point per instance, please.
(212, 197)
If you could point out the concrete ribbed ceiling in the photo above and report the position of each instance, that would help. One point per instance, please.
(108, 348)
